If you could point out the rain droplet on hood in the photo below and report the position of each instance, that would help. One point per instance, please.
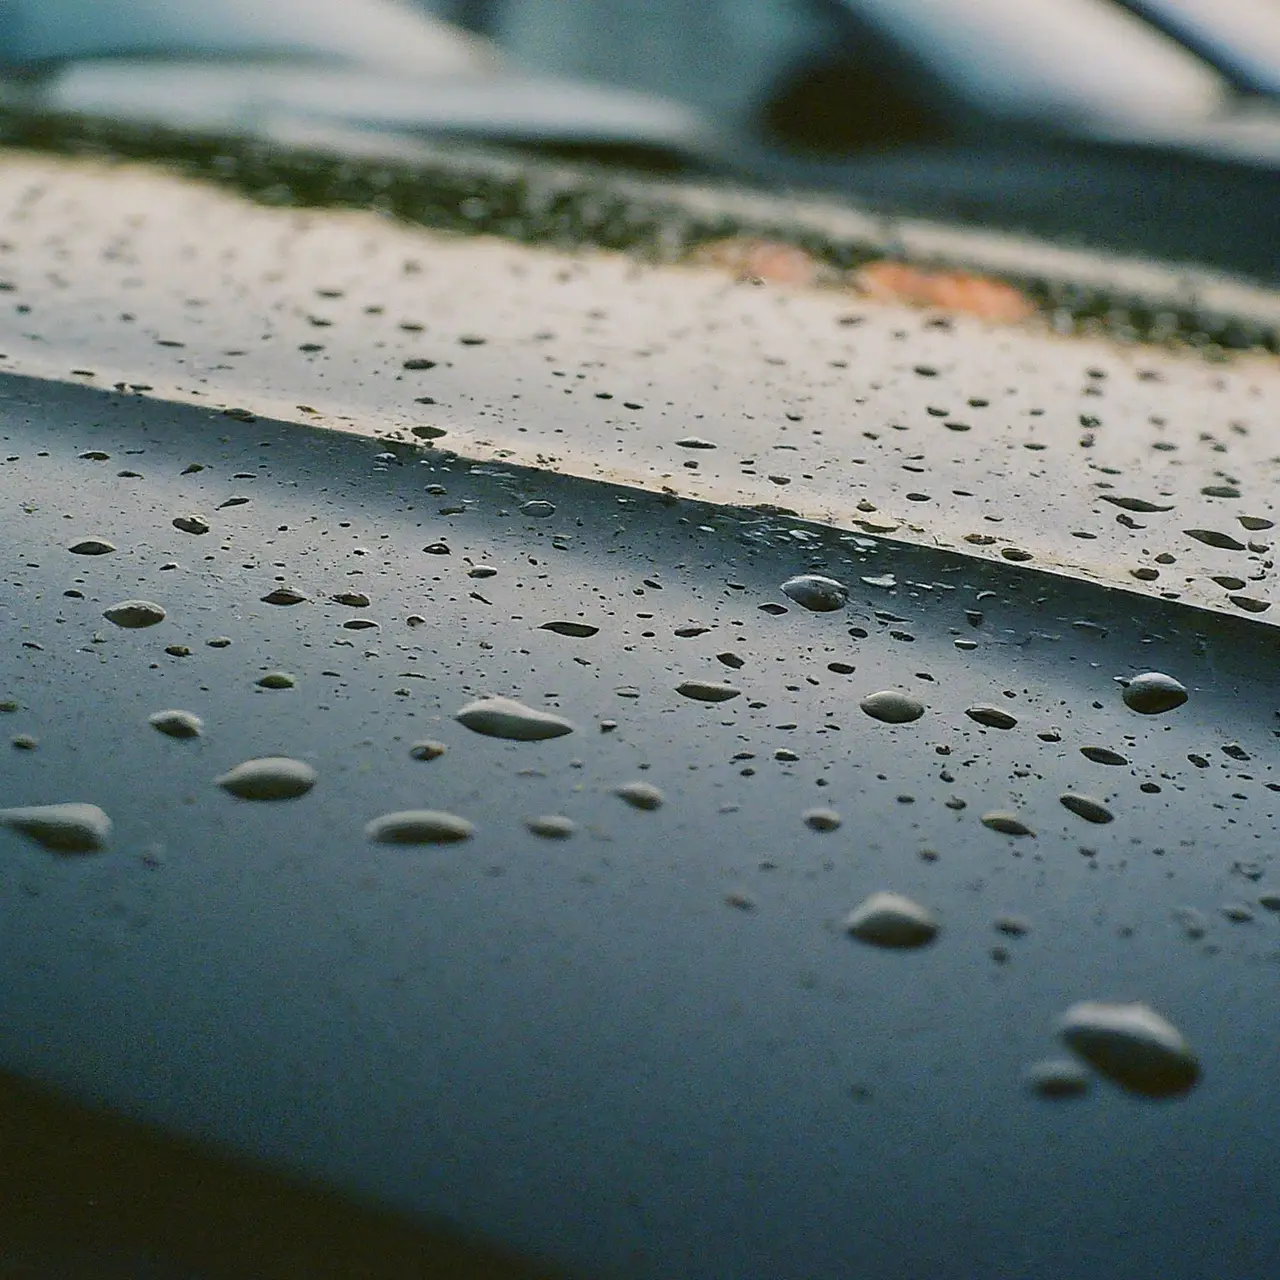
(538, 509)
(427, 750)
(352, 599)
(812, 591)
(1131, 1045)
(1086, 807)
(92, 547)
(191, 524)
(580, 630)
(821, 819)
(1058, 1078)
(177, 724)
(992, 717)
(552, 826)
(283, 596)
(268, 778)
(60, 828)
(707, 691)
(892, 707)
(1153, 692)
(1103, 755)
(507, 718)
(1008, 824)
(1134, 504)
(890, 920)
(134, 613)
(418, 826)
(1212, 538)
(640, 795)
(276, 680)
(695, 442)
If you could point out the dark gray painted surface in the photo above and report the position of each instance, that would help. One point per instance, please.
(580, 1049)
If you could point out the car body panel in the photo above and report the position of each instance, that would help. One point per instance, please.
(652, 1048)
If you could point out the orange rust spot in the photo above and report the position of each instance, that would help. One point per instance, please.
(975, 295)
(770, 261)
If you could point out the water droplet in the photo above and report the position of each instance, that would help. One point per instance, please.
(821, 819)
(61, 828)
(1191, 922)
(695, 442)
(1133, 504)
(352, 599)
(1103, 755)
(1086, 807)
(1153, 692)
(640, 795)
(283, 596)
(428, 749)
(507, 718)
(276, 680)
(1256, 523)
(1058, 1078)
(538, 509)
(1237, 912)
(881, 580)
(1250, 604)
(1008, 824)
(707, 691)
(418, 826)
(481, 571)
(177, 724)
(552, 826)
(239, 500)
(890, 920)
(1131, 1045)
(25, 742)
(92, 547)
(191, 524)
(892, 707)
(268, 778)
(1013, 926)
(134, 613)
(992, 717)
(219, 642)
(579, 630)
(812, 591)
(1211, 538)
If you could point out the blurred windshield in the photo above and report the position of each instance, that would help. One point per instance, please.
(33, 32)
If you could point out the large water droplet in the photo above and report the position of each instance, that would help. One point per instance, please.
(579, 630)
(812, 591)
(507, 718)
(427, 750)
(1086, 807)
(708, 691)
(1153, 692)
(283, 596)
(892, 707)
(268, 778)
(92, 547)
(191, 524)
(134, 613)
(1131, 1045)
(640, 795)
(890, 920)
(552, 826)
(1008, 824)
(418, 826)
(821, 819)
(61, 828)
(992, 717)
(177, 724)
